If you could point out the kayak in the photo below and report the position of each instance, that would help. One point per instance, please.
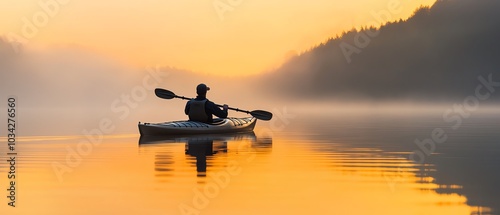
(219, 126)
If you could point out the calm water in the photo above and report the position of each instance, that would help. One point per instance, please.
(343, 164)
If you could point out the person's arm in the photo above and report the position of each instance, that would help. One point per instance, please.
(216, 110)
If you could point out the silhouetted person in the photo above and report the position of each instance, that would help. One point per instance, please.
(201, 109)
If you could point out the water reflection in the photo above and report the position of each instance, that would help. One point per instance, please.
(163, 164)
(202, 148)
(465, 164)
(324, 166)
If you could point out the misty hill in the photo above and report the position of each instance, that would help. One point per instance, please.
(437, 54)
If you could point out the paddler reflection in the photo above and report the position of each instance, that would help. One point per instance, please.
(201, 149)
(205, 148)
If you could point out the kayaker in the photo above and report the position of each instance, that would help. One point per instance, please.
(201, 109)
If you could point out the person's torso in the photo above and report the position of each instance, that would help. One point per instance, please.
(197, 110)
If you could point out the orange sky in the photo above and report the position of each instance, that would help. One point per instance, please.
(241, 37)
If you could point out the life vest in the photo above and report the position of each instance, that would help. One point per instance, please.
(197, 111)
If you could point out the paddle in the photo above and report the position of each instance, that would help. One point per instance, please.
(259, 114)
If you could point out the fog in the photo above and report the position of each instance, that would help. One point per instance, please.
(431, 61)
(66, 90)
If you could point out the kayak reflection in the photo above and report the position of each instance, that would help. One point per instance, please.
(197, 137)
(205, 147)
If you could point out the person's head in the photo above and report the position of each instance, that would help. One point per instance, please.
(202, 89)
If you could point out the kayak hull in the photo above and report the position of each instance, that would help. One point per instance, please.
(221, 126)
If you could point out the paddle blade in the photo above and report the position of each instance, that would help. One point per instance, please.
(262, 115)
(164, 94)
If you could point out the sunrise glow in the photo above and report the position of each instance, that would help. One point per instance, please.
(214, 37)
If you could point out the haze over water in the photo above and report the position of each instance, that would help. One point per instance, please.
(332, 163)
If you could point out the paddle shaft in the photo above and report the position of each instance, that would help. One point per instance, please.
(230, 108)
(259, 114)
